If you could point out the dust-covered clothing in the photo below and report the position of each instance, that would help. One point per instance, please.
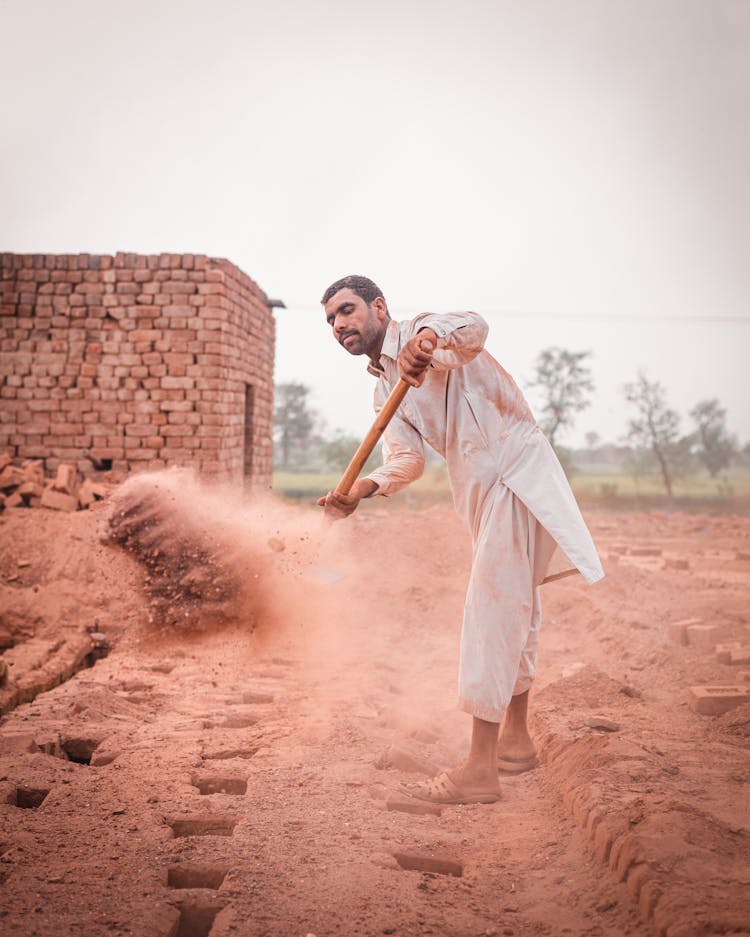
(508, 486)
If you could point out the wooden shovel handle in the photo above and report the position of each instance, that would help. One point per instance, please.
(368, 443)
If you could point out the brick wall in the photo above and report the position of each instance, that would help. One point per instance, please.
(138, 361)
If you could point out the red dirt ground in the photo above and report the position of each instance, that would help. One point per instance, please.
(235, 749)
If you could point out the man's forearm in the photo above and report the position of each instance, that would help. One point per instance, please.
(363, 488)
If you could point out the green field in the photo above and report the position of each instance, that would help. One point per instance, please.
(731, 492)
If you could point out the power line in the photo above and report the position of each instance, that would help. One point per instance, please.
(563, 316)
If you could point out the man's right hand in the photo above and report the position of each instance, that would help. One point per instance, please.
(338, 506)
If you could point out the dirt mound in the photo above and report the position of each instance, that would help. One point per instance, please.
(735, 723)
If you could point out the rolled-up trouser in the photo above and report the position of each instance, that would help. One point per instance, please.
(502, 612)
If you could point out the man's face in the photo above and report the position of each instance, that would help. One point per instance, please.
(357, 327)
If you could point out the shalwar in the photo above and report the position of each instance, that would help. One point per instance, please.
(507, 485)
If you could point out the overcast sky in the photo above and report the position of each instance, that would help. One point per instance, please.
(576, 171)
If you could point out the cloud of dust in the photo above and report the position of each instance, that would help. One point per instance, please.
(211, 553)
(216, 556)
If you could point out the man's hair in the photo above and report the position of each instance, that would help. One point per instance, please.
(362, 286)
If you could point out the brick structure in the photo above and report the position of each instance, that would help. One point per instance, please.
(138, 362)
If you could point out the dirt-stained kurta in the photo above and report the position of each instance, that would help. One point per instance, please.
(508, 486)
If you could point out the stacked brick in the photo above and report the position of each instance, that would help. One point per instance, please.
(133, 362)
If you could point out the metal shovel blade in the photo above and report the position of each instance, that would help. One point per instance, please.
(323, 575)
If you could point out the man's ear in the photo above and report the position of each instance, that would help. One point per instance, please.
(380, 307)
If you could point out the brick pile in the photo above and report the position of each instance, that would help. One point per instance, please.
(136, 362)
(25, 486)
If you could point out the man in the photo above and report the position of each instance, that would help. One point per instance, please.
(507, 485)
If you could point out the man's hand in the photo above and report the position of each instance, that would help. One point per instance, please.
(415, 357)
(339, 506)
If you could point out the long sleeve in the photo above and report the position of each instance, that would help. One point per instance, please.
(403, 452)
(461, 336)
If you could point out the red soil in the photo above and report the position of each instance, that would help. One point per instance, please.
(233, 749)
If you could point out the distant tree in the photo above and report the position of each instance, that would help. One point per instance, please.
(336, 453)
(293, 421)
(713, 444)
(592, 439)
(656, 428)
(566, 385)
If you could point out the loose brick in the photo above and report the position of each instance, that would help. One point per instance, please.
(705, 636)
(10, 478)
(740, 655)
(65, 479)
(86, 494)
(439, 865)
(677, 632)
(715, 700)
(675, 562)
(31, 493)
(724, 651)
(58, 501)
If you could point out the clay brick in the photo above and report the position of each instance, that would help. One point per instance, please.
(435, 864)
(638, 875)
(65, 479)
(724, 651)
(58, 501)
(715, 700)
(179, 405)
(30, 493)
(171, 382)
(86, 494)
(176, 311)
(10, 478)
(677, 630)
(626, 851)
(603, 839)
(705, 636)
(740, 655)
(649, 896)
(676, 562)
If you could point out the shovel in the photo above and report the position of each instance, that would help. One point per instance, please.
(323, 574)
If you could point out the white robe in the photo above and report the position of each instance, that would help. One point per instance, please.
(508, 486)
